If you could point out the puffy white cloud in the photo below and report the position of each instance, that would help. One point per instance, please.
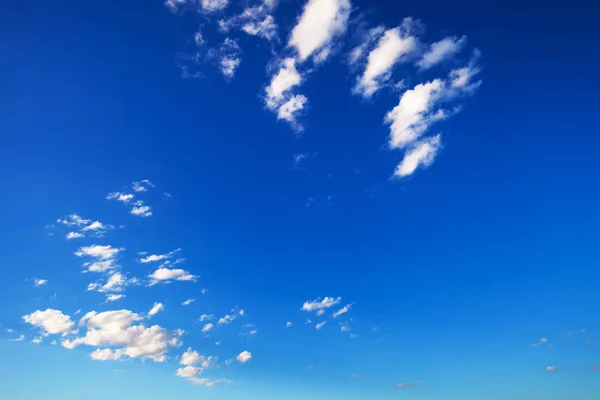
(206, 317)
(164, 275)
(114, 297)
(36, 340)
(214, 5)
(320, 325)
(39, 282)
(188, 302)
(107, 354)
(392, 47)
(343, 310)
(154, 258)
(104, 257)
(141, 210)
(117, 329)
(244, 357)
(228, 318)
(122, 197)
(207, 328)
(289, 110)
(156, 308)
(321, 21)
(190, 357)
(440, 51)
(421, 155)
(319, 304)
(51, 321)
(188, 372)
(74, 235)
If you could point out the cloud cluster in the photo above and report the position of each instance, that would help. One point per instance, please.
(120, 336)
(137, 207)
(80, 227)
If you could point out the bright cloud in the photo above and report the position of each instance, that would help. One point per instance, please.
(188, 302)
(392, 47)
(50, 321)
(107, 354)
(282, 82)
(122, 197)
(140, 210)
(288, 324)
(319, 304)
(321, 21)
(142, 186)
(74, 235)
(206, 317)
(104, 257)
(343, 310)
(540, 342)
(207, 328)
(164, 275)
(156, 308)
(440, 51)
(244, 357)
(39, 282)
(214, 5)
(114, 297)
(117, 329)
(421, 155)
(320, 325)
(116, 282)
(256, 21)
(73, 220)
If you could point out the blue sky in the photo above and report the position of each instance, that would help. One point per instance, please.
(428, 168)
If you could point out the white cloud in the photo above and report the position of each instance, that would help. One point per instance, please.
(116, 282)
(107, 354)
(392, 47)
(321, 21)
(256, 21)
(550, 368)
(421, 155)
(288, 324)
(214, 5)
(73, 220)
(36, 340)
(154, 258)
(39, 282)
(244, 357)
(227, 319)
(190, 357)
(114, 297)
(174, 5)
(319, 304)
(367, 39)
(405, 385)
(289, 110)
(188, 302)
(207, 328)
(104, 257)
(21, 338)
(415, 113)
(343, 310)
(344, 327)
(320, 325)
(228, 56)
(50, 321)
(282, 82)
(142, 185)
(164, 275)
(117, 329)
(141, 210)
(96, 226)
(440, 51)
(206, 317)
(188, 372)
(542, 341)
(320, 312)
(74, 235)
(156, 308)
(122, 197)
(9, 330)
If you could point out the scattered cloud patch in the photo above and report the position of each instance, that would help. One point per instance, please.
(39, 282)
(188, 302)
(142, 186)
(165, 275)
(214, 5)
(118, 196)
(207, 328)
(542, 341)
(320, 325)
(21, 338)
(156, 308)
(343, 310)
(288, 324)
(550, 368)
(206, 317)
(421, 155)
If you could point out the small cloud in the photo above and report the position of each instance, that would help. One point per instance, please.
(36, 340)
(343, 310)
(118, 196)
(440, 51)
(244, 357)
(140, 209)
(207, 328)
(74, 235)
(214, 5)
(188, 302)
(114, 297)
(21, 338)
(156, 308)
(320, 312)
(206, 317)
(39, 282)
(288, 324)
(142, 185)
(319, 304)
(320, 325)
(550, 368)
(595, 368)
(165, 275)
(540, 342)
(405, 385)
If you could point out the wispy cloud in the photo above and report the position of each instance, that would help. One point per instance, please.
(343, 310)
(156, 308)
(440, 51)
(21, 338)
(39, 282)
(320, 325)
(188, 302)
(319, 304)
(104, 257)
(165, 275)
(406, 385)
